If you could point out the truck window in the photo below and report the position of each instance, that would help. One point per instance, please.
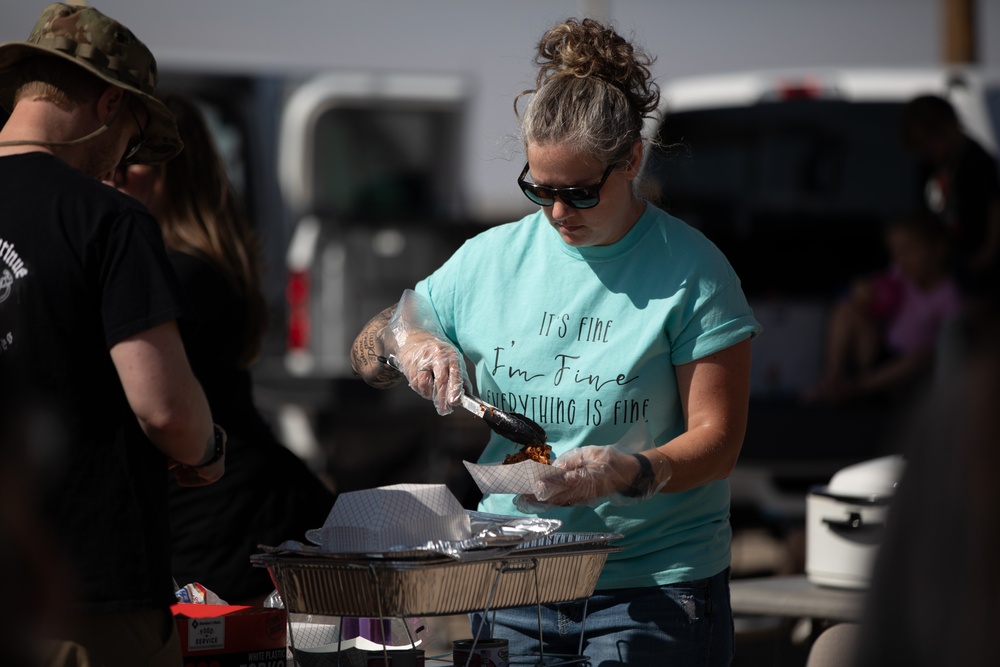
(993, 107)
(386, 164)
(795, 193)
(230, 142)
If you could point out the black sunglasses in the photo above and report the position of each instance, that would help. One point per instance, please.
(134, 145)
(585, 196)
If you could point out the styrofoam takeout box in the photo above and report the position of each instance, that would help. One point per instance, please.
(391, 518)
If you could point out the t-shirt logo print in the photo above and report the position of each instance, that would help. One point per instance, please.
(14, 268)
(6, 282)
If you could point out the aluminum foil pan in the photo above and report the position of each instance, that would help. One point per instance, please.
(396, 588)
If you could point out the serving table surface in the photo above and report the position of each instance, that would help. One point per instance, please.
(795, 597)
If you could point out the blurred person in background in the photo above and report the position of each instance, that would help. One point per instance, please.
(613, 315)
(268, 494)
(89, 342)
(883, 334)
(960, 183)
(944, 519)
(38, 581)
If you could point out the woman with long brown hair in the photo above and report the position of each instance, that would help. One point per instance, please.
(268, 495)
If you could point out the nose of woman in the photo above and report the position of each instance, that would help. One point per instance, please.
(560, 210)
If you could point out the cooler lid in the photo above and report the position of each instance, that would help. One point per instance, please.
(877, 477)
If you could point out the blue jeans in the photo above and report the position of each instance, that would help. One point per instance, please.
(681, 625)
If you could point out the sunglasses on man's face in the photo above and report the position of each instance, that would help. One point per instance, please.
(135, 144)
(585, 196)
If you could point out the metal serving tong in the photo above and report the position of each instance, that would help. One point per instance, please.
(511, 425)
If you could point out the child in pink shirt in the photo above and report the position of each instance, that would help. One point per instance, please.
(883, 335)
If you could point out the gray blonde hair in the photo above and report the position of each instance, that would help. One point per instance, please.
(593, 91)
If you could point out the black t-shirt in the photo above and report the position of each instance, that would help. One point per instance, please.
(976, 185)
(82, 268)
(268, 495)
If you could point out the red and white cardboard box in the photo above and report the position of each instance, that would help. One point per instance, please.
(231, 635)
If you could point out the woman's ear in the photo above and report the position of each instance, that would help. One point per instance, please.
(634, 161)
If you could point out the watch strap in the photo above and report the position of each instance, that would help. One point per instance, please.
(219, 436)
(643, 480)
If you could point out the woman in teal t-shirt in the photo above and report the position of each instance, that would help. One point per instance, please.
(606, 315)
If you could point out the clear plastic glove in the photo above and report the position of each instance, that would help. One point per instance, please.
(416, 345)
(596, 474)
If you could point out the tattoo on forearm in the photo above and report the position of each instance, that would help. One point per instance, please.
(367, 349)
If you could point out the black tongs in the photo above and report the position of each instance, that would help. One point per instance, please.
(511, 425)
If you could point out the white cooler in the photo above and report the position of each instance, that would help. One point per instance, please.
(845, 522)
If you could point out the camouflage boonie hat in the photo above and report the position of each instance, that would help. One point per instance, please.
(108, 50)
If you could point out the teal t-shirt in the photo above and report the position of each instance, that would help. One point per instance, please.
(584, 341)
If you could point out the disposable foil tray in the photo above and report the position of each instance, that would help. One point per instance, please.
(558, 570)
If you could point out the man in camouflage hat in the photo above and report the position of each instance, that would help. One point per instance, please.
(105, 49)
(89, 344)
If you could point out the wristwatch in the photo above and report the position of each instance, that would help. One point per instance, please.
(220, 446)
(643, 480)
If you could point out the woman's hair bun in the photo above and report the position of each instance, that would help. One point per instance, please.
(587, 48)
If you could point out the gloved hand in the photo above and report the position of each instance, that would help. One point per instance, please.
(416, 345)
(595, 474)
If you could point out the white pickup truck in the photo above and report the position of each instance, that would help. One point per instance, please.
(792, 174)
(368, 163)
